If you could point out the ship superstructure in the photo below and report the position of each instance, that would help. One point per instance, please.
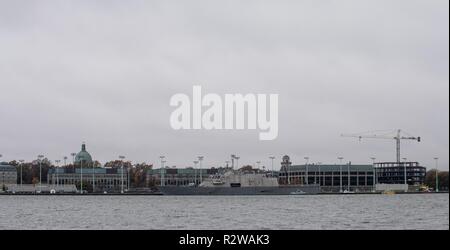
(239, 183)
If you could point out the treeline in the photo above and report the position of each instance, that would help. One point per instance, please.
(30, 170)
(430, 179)
(138, 172)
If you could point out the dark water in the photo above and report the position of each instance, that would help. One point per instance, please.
(411, 211)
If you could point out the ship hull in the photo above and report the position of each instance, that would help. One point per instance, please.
(282, 190)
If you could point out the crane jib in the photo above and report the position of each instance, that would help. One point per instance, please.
(396, 135)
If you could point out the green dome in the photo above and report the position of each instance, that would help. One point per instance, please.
(83, 155)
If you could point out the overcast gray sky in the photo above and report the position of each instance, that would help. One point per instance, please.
(104, 71)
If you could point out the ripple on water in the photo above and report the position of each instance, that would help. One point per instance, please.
(413, 211)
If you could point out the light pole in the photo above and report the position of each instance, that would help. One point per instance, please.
(40, 172)
(195, 172)
(56, 170)
(404, 173)
(234, 157)
(93, 176)
(164, 173)
(0, 161)
(437, 174)
(200, 159)
(348, 176)
(237, 165)
(162, 170)
(317, 177)
(340, 173)
(404, 170)
(374, 171)
(121, 157)
(81, 175)
(65, 161)
(129, 177)
(73, 158)
(21, 166)
(272, 158)
(306, 169)
(232, 161)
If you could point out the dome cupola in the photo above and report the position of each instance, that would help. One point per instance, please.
(83, 156)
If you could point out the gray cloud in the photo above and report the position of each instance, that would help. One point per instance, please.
(104, 71)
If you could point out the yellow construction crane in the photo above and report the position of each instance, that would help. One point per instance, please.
(397, 135)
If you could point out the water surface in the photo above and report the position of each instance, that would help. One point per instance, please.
(407, 211)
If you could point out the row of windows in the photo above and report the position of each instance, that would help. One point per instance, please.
(400, 169)
(401, 174)
(328, 181)
(326, 173)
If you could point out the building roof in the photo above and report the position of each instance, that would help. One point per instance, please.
(7, 168)
(330, 167)
(87, 170)
(83, 156)
(187, 171)
(397, 164)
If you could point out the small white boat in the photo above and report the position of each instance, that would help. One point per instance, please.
(218, 182)
(298, 192)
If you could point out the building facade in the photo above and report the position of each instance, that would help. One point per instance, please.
(178, 176)
(330, 178)
(394, 173)
(8, 175)
(94, 179)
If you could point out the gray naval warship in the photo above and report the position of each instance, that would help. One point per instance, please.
(238, 183)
